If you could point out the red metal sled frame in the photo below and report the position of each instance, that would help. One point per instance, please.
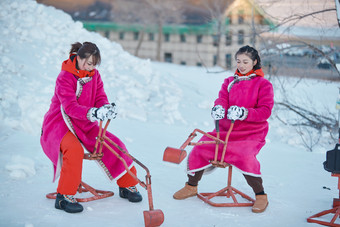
(152, 217)
(335, 210)
(83, 187)
(228, 191)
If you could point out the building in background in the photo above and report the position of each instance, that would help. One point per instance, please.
(191, 44)
(297, 38)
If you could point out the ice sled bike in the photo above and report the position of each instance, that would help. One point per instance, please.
(177, 155)
(152, 217)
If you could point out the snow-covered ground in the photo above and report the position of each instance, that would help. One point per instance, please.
(159, 105)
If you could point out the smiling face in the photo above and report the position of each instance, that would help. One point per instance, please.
(86, 63)
(244, 63)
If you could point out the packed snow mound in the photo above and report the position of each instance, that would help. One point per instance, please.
(32, 49)
(20, 167)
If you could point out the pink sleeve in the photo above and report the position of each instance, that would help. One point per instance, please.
(66, 92)
(265, 103)
(223, 95)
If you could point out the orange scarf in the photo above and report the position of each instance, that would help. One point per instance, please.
(69, 65)
(257, 72)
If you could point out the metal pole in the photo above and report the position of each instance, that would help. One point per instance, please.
(338, 108)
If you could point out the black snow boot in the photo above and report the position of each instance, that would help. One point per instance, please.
(130, 193)
(68, 203)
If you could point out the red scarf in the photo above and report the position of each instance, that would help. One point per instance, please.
(257, 72)
(69, 65)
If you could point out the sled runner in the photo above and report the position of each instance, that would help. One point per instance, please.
(152, 217)
(175, 155)
(83, 187)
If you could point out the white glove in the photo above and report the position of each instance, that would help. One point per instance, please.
(112, 113)
(103, 113)
(237, 113)
(217, 112)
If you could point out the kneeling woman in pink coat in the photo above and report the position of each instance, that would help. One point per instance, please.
(248, 98)
(70, 126)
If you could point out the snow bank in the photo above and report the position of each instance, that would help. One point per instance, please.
(35, 39)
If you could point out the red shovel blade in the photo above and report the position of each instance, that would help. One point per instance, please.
(174, 155)
(153, 218)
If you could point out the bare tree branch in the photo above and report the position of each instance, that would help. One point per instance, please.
(312, 119)
(297, 18)
(322, 54)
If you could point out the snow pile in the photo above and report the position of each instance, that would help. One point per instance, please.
(21, 167)
(32, 49)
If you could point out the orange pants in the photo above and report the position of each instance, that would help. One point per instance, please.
(70, 174)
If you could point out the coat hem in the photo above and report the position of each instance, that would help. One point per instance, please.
(108, 174)
(192, 172)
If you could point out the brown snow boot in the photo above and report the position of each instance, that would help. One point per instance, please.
(260, 204)
(186, 192)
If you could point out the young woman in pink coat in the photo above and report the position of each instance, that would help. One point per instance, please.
(248, 98)
(70, 126)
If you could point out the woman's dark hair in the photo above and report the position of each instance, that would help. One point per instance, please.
(252, 53)
(86, 50)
